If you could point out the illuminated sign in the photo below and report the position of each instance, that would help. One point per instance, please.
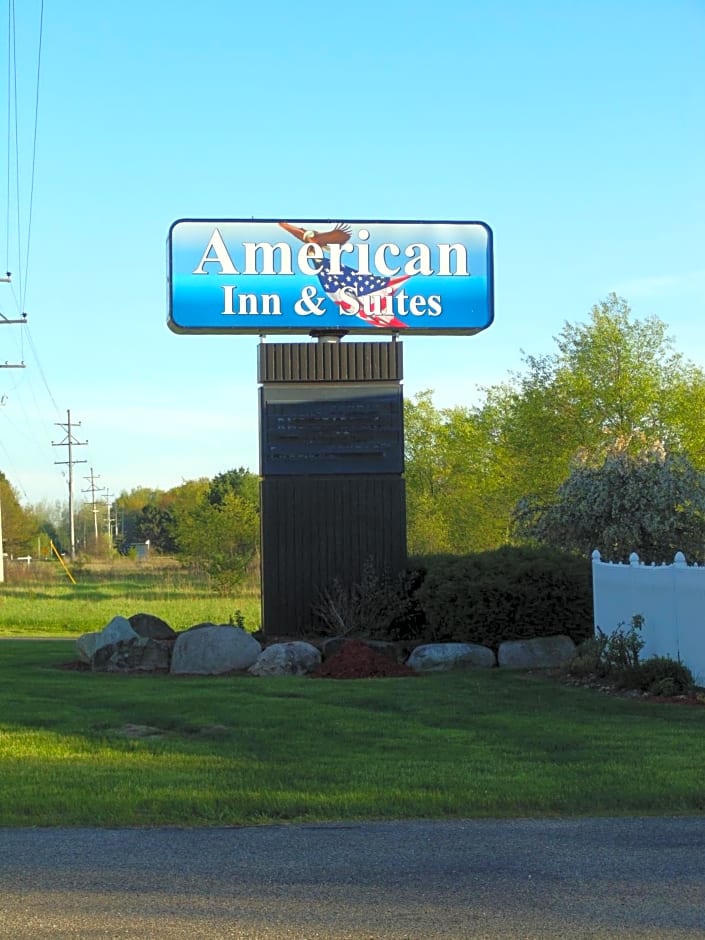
(268, 276)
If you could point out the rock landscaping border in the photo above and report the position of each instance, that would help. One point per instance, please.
(144, 643)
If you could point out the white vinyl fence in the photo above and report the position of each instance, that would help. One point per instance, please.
(671, 598)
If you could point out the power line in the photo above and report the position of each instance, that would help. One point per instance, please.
(24, 63)
(23, 429)
(33, 349)
(12, 94)
(34, 156)
(14, 154)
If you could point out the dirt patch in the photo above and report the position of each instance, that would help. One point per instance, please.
(356, 660)
(75, 665)
(140, 731)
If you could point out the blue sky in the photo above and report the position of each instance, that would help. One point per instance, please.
(575, 130)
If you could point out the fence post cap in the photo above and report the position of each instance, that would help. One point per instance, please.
(633, 559)
(679, 559)
(596, 556)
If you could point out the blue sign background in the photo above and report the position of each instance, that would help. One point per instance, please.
(213, 291)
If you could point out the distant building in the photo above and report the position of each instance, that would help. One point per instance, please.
(140, 549)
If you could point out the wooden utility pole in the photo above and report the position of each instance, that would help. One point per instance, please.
(93, 489)
(2, 556)
(7, 365)
(70, 442)
(6, 320)
(109, 518)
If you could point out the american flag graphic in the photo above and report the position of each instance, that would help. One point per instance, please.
(367, 295)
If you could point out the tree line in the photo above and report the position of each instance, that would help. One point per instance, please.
(211, 524)
(597, 444)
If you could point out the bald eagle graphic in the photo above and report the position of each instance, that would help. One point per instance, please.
(338, 236)
(368, 296)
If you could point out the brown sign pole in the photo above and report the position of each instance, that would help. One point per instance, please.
(331, 466)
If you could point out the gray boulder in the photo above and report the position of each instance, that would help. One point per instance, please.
(295, 658)
(119, 629)
(436, 657)
(141, 655)
(545, 652)
(86, 646)
(151, 627)
(210, 650)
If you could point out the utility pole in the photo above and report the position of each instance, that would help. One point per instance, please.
(3, 319)
(109, 520)
(2, 556)
(93, 489)
(70, 442)
(7, 365)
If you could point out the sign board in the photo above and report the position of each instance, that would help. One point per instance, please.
(267, 276)
(331, 430)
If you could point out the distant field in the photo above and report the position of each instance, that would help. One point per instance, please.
(40, 600)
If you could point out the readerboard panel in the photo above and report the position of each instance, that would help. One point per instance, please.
(326, 430)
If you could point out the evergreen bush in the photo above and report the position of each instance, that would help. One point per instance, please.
(510, 593)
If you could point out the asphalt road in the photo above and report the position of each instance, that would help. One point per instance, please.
(518, 879)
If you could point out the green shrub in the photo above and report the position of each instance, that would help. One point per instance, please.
(622, 647)
(589, 657)
(615, 654)
(617, 657)
(376, 607)
(237, 619)
(507, 594)
(661, 675)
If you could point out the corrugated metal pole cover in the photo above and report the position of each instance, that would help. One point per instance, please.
(330, 362)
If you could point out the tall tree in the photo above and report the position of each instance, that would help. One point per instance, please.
(624, 387)
(156, 525)
(223, 539)
(426, 472)
(19, 527)
(128, 508)
(613, 385)
(241, 482)
(456, 482)
(51, 521)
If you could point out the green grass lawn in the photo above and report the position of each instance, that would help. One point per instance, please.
(240, 750)
(41, 601)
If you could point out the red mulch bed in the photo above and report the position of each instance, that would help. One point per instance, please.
(356, 660)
